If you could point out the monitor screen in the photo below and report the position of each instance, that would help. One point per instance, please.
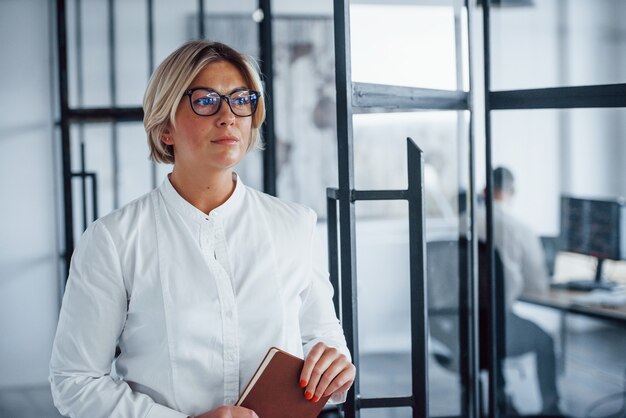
(593, 227)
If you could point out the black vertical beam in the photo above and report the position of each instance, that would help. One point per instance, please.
(201, 28)
(115, 169)
(83, 180)
(333, 250)
(468, 284)
(492, 325)
(94, 195)
(65, 133)
(150, 27)
(150, 35)
(417, 268)
(78, 23)
(79, 95)
(468, 297)
(267, 71)
(343, 83)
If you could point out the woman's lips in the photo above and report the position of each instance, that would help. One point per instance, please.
(227, 140)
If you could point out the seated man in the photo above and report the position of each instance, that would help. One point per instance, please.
(524, 270)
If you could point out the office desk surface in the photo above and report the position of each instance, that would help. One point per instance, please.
(565, 300)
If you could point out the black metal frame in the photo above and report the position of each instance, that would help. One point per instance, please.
(361, 98)
(604, 96)
(115, 114)
(64, 125)
(492, 354)
(379, 97)
(347, 243)
(267, 70)
(355, 98)
(83, 175)
(468, 283)
(419, 327)
(590, 96)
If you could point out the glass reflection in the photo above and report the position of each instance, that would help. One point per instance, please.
(563, 362)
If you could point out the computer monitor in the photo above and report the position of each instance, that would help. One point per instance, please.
(595, 228)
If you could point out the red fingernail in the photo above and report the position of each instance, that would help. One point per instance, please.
(307, 395)
(315, 399)
(302, 383)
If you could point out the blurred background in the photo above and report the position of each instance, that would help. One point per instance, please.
(112, 47)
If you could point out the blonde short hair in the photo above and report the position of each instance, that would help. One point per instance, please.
(174, 75)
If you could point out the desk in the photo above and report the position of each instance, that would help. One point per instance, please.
(564, 300)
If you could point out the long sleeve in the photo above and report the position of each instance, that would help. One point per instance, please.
(534, 266)
(183, 295)
(521, 253)
(92, 317)
(318, 319)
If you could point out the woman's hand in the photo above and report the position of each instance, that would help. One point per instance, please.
(326, 371)
(229, 412)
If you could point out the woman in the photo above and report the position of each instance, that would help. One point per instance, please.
(197, 279)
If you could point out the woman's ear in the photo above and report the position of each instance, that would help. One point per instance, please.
(166, 137)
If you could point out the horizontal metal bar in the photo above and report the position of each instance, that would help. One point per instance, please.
(369, 194)
(378, 195)
(606, 95)
(443, 312)
(109, 114)
(364, 403)
(368, 97)
(82, 174)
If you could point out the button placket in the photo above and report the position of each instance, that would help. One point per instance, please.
(231, 349)
(215, 252)
(229, 312)
(221, 250)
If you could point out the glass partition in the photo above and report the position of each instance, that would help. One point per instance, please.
(427, 33)
(545, 43)
(380, 148)
(563, 344)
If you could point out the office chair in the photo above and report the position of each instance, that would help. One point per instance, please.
(443, 268)
(443, 272)
(551, 247)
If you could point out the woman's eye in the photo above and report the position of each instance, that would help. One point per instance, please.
(242, 101)
(206, 101)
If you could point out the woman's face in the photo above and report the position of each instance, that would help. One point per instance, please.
(211, 143)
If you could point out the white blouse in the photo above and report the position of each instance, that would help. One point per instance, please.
(193, 301)
(520, 250)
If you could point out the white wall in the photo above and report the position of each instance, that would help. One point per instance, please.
(597, 56)
(524, 54)
(29, 168)
(555, 152)
(29, 255)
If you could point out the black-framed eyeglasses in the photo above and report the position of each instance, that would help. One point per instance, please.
(207, 102)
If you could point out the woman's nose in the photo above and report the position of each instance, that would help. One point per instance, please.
(225, 116)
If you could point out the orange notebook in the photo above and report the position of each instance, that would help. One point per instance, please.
(274, 390)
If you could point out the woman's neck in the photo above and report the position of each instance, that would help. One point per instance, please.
(205, 192)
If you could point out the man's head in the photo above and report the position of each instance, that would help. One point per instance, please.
(503, 183)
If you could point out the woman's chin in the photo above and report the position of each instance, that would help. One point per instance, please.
(225, 162)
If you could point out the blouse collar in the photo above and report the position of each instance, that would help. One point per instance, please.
(186, 209)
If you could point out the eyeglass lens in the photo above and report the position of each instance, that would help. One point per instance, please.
(207, 102)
